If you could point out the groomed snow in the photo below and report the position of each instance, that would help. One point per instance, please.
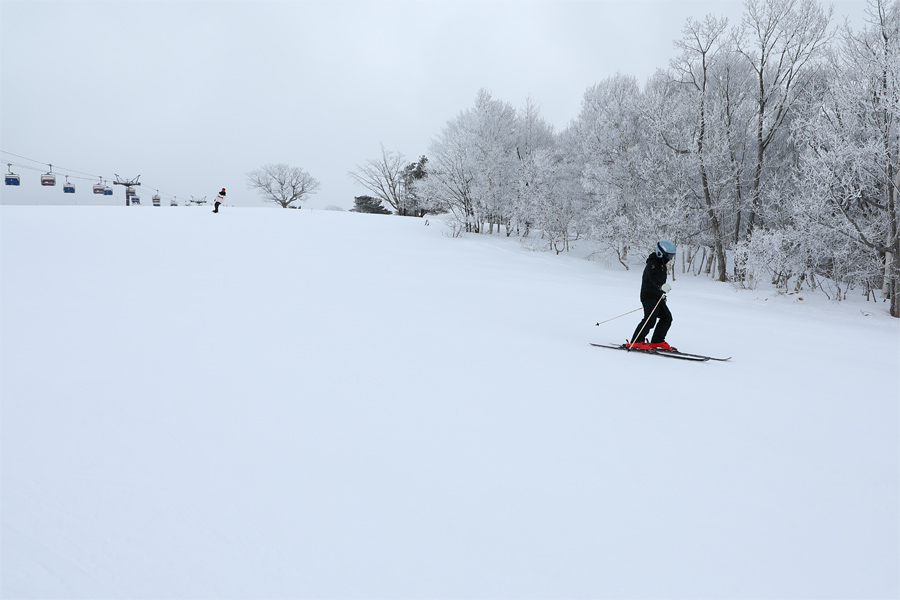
(273, 403)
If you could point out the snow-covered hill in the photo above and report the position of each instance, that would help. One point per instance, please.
(310, 404)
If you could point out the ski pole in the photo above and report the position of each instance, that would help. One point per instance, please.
(622, 315)
(647, 320)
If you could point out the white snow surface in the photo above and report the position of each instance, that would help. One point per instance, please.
(271, 403)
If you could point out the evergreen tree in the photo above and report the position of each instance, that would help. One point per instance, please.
(368, 204)
(413, 204)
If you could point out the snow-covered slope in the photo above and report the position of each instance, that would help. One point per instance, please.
(305, 404)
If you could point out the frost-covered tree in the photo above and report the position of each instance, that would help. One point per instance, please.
(472, 165)
(780, 40)
(493, 144)
(414, 203)
(282, 184)
(542, 199)
(450, 176)
(734, 114)
(695, 70)
(849, 168)
(670, 204)
(608, 139)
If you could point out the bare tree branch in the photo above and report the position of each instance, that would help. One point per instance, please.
(282, 184)
(383, 177)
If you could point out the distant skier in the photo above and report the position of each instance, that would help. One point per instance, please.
(220, 199)
(653, 297)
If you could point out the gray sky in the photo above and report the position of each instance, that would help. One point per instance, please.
(192, 95)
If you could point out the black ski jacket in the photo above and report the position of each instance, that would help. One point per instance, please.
(653, 278)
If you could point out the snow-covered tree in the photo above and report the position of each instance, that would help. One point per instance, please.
(670, 204)
(849, 167)
(472, 165)
(780, 40)
(450, 177)
(493, 141)
(282, 184)
(414, 202)
(695, 70)
(545, 198)
(608, 139)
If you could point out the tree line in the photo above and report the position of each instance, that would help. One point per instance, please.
(768, 150)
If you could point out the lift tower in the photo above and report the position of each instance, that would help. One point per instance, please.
(129, 187)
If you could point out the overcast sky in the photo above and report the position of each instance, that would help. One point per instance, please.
(193, 95)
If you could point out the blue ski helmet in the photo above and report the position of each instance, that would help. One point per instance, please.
(665, 249)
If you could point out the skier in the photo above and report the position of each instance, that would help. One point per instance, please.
(653, 298)
(220, 199)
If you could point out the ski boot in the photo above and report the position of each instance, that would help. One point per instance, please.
(663, 346)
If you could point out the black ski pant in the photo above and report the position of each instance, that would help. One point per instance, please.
(217, 207)
(658, 319)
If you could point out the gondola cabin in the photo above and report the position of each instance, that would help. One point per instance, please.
(156, 201)
(12, 179)
(48, 179)
(99, 189)
(68, 188)
(107, 191)
(135, 200)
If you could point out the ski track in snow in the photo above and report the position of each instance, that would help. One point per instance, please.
(313, 404)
